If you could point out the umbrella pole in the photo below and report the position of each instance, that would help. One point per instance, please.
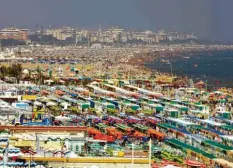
(132, 153)
(149, 153)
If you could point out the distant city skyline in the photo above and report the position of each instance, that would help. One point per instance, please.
(208, 19)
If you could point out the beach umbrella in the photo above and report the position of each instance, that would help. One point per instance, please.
(65, 104)
(61, 81)
(44, 92)
(94, 166)
(25, 71)
(26, 101)
(62, 118)
(49, 81)
(71, 155)
(42, 99)
(36, 103)
(51, 103)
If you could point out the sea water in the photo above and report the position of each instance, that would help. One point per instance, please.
(213, 67)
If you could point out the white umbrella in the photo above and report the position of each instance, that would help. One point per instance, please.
(94, 166)
(37, 103)
(65, 104)
(26, 101)
(71, 155)
(25, 71)
(62, 118)
(13, 89)
(94, 83)
(51, 104)
(62, 81)
(49, 81)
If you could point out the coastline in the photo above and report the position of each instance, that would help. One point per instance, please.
(185, 55)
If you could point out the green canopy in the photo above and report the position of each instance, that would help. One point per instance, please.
(135, 107)
(185, 146)
(227, 127)
(218, 145)
(122, 126)
(141, 127)
(186, 109)
(159, 108)
(166, 126)
(111, 106)
(85, 106)
(101, 125)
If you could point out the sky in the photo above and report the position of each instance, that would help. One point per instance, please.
(208, 19)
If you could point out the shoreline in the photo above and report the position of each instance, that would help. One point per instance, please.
(187, 54)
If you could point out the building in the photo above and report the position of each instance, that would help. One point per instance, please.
(61, 34)
(14, 33)
(116, 35)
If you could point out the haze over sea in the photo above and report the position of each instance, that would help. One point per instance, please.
(213, 67)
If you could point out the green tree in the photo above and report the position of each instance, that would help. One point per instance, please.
(16, 71)
(3, 72)
(40, 76)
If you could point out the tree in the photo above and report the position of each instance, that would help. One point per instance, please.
(3, 72)
(40, 76)
(16, 71)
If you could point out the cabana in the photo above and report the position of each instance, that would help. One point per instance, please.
(140, 135)
(156, 134)
(179, 123)
(197, 106)
(132, 120)
(228, 139)
(101, 126)
(131, 106)
(81, 90)
(224, 114)
(178, 107)
(114, 120)
(180, 133)
(112, 131)
(199, 113)
(172, 113)
(218, 149)
(81, 105)
(193, 163)
(207, 157)
(98, 90)
(104, 105)
(211, 123)
(156, 107)
(209, 132)
(141, 127)
(121, 91)
(110, 100)
(152, 120)
(123, 128)
(149, 93)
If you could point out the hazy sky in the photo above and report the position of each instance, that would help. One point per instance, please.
(209, 19)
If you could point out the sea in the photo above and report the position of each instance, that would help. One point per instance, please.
(212, 67)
